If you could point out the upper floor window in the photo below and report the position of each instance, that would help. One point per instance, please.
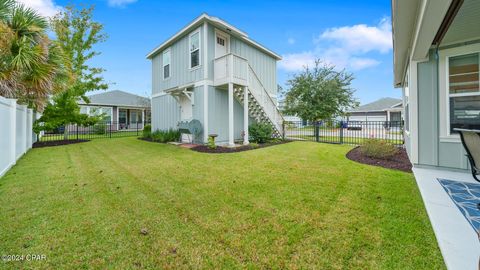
(194, 49)
(464, 91)
(166, 64)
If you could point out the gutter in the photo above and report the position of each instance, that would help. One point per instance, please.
(447, 21)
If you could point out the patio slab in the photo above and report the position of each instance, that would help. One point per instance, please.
(456, 238)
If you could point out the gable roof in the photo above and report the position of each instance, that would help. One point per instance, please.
(218, 23)
(118, 98)
(379, 105)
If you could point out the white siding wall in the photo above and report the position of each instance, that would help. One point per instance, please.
(16, 136)
(180, 73)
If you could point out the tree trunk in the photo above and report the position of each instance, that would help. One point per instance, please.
(65, 132)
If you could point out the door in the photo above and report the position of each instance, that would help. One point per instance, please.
(221, 44)
(186, 112)
(122, 118)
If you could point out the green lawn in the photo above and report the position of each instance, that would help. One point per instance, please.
(297, 205)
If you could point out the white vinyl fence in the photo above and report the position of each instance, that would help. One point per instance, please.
(16, 135)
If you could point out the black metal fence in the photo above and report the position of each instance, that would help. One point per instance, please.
(345, 132)
(109, 129)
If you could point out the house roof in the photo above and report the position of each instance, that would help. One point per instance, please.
(118, 98)
(415, 25)
(380, 105)
(218, 23)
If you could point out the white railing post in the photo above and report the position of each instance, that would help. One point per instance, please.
(230, 67)
(230, 114)
(245, 115)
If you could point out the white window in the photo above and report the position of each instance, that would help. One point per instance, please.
(464, 92)
(459, 92)
(166, 58)
(94, 110)
(194, 49)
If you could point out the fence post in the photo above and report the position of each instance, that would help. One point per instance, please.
(283, 130)
(341, 132)
(13, 130)
(77, 132)
(317, 131)
(110, 128)
(137, 128)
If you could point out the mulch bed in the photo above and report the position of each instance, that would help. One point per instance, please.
(56, 143)
(221, 149)
(399, 161)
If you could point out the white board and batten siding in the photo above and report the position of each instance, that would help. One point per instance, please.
(166, 111)
(16, 135)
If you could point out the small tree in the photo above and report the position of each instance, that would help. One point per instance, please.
(76, 34)
(66, 111)
(320, 93)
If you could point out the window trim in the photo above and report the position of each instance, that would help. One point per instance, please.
(406, 102)
(444, 82)
(169, 51)
(199, 50)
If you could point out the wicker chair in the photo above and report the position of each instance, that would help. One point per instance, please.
(471, 143)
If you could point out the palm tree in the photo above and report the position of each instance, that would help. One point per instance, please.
(32, 66)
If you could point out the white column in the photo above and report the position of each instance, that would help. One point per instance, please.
(245, 115)
(13, 130)
(388, 115)
(230, 114)
(143, 118)
(205, 113)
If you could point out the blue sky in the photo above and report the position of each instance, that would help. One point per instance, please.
(355, 35)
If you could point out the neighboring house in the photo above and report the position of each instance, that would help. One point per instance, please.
(205, 72)
(124, 110)
(384, 109)
(436, 46)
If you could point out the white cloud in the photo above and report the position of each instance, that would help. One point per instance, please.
(291, 41)
(44, 7)
(120, 3)
(296, 61)
(348, 47)
(361, 37)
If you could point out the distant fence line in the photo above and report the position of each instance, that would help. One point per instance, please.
(102, 129)
(345, 132)
(16, 135)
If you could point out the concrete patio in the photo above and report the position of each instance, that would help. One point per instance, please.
(456, 237)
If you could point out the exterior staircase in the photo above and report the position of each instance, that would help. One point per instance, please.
(261, 107)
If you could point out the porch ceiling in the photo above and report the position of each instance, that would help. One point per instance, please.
(465, 26)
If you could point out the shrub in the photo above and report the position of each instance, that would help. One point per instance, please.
(377, 148)
(100, 128)
(147, 132)
(260, 132)
(211, 142)
(164, 136)
(254, 145)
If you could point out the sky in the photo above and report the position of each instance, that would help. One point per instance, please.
(350, 34)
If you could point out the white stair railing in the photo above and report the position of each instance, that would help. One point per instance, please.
(265, 101)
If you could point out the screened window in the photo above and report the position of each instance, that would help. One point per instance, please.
(166, 64)
(464, 92)
(194, 49)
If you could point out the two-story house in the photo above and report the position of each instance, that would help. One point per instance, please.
(213, 72)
